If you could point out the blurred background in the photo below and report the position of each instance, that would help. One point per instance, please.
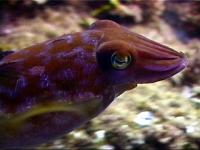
(163, 115)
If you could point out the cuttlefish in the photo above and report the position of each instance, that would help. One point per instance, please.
(53, 87)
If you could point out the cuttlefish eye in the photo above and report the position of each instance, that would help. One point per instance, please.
(120, 61)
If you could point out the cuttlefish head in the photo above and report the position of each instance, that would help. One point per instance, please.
(127, 57)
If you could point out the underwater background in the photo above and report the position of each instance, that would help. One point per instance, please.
(163, 115)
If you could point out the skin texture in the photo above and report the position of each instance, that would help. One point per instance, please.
(51, 88)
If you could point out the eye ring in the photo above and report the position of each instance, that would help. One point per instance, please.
(120, 62)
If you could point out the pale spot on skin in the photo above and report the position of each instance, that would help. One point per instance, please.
(65, 38)
(48, 46)
(67, 97)
(30, 102)
(78, 49)
(37, 70)
(62, 55)
(75, 51)
(69, 38)
(21, 83)
(87, 39)
(84, 96)
(44, 81)
(44, 55)
(79, 62)
(81, 55)
(44, 52)
(65, 75)
(51, 43)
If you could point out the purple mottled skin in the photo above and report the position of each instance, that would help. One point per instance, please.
(51, 88)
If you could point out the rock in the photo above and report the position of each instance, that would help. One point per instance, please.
(184, 14)
(145, 118)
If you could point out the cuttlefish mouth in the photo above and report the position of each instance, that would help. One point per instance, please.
(158, 61)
